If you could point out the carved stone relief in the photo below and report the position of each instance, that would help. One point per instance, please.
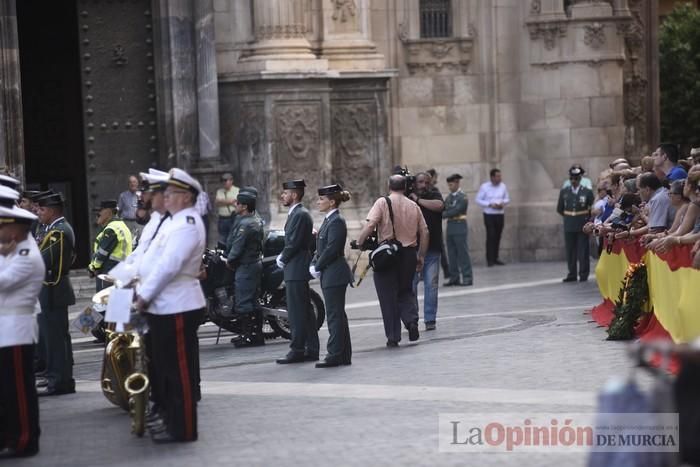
(549, 32)
(343, 10)
(594, 35)
(353, 133)
(298, 141)
(438, 55)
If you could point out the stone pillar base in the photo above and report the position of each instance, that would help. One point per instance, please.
(279, 65)
(352, 54)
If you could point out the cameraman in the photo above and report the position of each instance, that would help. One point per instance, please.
(395, 287)
(431, 205)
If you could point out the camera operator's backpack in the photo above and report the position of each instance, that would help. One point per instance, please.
(386, 255)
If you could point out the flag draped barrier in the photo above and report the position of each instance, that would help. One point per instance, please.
(671, 310)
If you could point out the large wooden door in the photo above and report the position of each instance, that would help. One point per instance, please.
(118, 89)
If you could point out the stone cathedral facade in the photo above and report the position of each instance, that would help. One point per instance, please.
(331, 91)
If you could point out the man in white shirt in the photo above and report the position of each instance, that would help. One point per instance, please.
(493, 198)
(21, 278)
(172, 298)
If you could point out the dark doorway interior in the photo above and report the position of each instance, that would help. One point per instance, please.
(52, 106)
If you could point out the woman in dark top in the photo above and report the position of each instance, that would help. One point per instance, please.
(329, 264)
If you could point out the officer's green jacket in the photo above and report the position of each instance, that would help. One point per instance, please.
(456, 205)
(112, 245)
(58, 250)
(245, 241)
(575, 208)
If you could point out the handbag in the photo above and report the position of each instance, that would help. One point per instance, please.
(386, 255)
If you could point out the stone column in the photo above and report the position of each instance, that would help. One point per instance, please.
(207, 83)
(346, 36)
(280, 41)
(11, 130)
(178, 124)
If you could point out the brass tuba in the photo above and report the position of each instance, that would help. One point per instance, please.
(124, 381)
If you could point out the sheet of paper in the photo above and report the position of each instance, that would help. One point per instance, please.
(119, 305)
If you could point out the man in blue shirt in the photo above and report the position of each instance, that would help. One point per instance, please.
(666, 163)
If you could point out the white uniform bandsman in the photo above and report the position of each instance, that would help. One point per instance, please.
(22, 272)
(171, 296)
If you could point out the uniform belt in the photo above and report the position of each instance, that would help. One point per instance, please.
(577, 213)
(17, 310)
(462, 217)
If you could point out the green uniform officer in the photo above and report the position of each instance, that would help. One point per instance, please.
(456, 204)
(575, 202)
(57, 250)
(244, 247)
(112, 245)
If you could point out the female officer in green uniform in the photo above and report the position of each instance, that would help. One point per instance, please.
(329, 264)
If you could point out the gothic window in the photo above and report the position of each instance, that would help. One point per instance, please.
(435, 19)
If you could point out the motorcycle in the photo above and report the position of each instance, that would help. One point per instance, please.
(217, 284)
(272, 303)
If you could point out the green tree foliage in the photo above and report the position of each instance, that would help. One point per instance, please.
(679, 57)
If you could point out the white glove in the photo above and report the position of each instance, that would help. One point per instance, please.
(279, 262)
(314, 273)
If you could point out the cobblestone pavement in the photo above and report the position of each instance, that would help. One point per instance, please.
(518, 341)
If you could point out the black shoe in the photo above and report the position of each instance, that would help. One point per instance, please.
(413, 334)
(490, 265)
(391, 343)
(569, 279)
(331, 362)
(162, 437)
(248, 341)
(430, 325)
(466, 284)
(291, 358)
(42, 382)
(54, 391)
(498, 262)
(8, 453)
(310, 357)
(450, 283)
(583, 279)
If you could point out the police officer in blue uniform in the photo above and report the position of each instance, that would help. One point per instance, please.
(575, 202)
(244, 255)
(330, 266)
(21, 274)
(295, 259)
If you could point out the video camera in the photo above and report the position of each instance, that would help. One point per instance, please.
(371, 243)
(410, 179)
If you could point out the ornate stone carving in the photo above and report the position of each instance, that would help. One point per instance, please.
(353, 134)
(594, 35)
(279, 31)
(549, 31)
(535, 7)
(298, 141)
(343, 9)
(438, 55)
(636, 86)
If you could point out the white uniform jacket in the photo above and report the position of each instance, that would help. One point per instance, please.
(170, 267)
(146, 236)
(21, 276)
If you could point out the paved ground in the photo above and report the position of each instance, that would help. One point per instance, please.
(518, 341)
